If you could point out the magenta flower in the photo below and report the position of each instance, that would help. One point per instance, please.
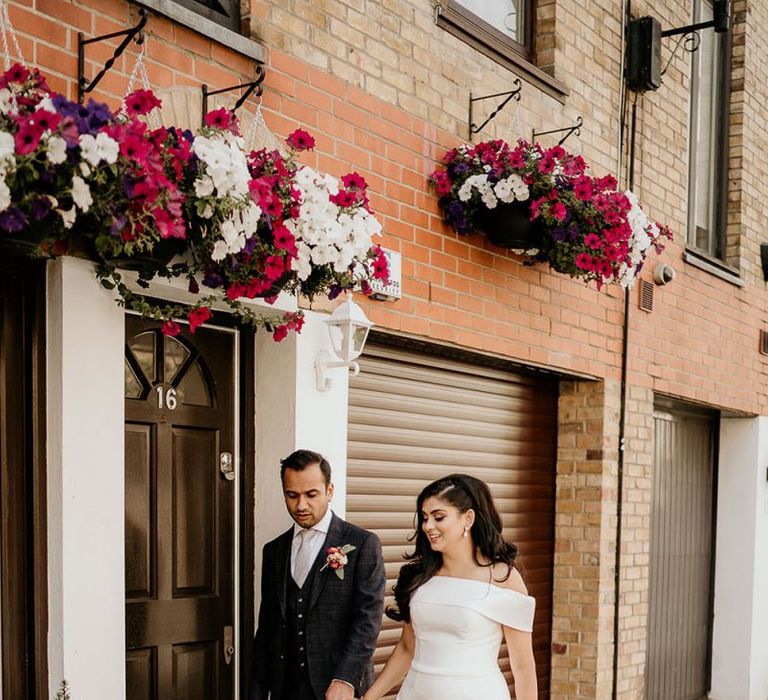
(354, 181)
(219, 118)
(301, 140)
(592, 240)
(141, 102)
(27, 137)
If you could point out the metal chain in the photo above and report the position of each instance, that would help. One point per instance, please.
(258, 134)
(140, 71)
(6, 28)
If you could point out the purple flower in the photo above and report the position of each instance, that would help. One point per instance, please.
(573, 231)
(559, 233)
(40, 208)
(194, 287)
(118, 224)
(250, 245)
(13, 219)
(212, 280)
(98, 114)
(457, 169)
(334, 292)
(65, 107)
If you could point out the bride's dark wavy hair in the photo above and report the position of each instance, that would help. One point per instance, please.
(463, 492)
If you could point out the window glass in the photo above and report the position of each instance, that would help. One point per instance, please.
(132, 385)
(143, 347)
(707, 134)
(507, 16)
(193, 388)
(175, 354)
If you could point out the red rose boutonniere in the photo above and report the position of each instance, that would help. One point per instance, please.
(337, 559)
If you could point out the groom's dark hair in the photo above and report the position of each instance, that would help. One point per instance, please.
(301, 459)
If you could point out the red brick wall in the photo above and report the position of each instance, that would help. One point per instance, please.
(385, 92)
(386, 96)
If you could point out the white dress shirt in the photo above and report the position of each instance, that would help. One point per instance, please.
(316, 538)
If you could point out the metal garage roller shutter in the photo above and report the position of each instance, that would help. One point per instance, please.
(415, 417)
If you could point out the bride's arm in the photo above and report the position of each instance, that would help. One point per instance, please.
(520, 648)
(396, 667)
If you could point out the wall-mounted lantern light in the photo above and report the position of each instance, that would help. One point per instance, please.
(348, 327)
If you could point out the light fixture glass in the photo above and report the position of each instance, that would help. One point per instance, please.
(348, 327)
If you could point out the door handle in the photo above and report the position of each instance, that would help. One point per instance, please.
(227, 466)
(229, 644)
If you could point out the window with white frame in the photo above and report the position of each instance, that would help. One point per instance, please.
(708, 138)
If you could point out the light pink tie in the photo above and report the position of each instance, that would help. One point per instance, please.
(303, 561)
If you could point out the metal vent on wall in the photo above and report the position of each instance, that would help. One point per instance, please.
(646, 295)
(764, 342)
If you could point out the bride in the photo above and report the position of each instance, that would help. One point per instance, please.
(457, 596)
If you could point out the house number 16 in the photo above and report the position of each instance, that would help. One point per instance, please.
(166, 398)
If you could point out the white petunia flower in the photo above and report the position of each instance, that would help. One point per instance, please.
(7, 146)
(68, 216)
(56, 151)
(5, 196)
(81, 193)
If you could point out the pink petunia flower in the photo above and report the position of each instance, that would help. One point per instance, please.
(171, 328)
(582, 188)
(274, 267)
(301, 140)
(141, 102)
(197, 317)
(354, 181)
(592, 240)
(219, 118)
(27, 137)
(558, 211)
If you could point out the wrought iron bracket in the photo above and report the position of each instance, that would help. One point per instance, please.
(83, 86)
(573, 129)
(254, 86)
(689, 28)
(512, 94)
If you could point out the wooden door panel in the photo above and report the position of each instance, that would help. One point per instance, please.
(140, 671)
(195, 488)
(139, 574)
(179, 513)
(195, 669)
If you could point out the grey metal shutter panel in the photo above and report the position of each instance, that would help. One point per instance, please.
(682, 541)
(414, 418)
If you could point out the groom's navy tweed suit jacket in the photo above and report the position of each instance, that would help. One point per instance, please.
(343, 618)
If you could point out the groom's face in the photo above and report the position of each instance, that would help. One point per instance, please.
(307, 496)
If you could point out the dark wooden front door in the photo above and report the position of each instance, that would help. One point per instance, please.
(23, 571)
(179, 513)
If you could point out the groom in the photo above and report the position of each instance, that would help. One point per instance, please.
(320, 612)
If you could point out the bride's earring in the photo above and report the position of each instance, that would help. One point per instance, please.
(466, 530)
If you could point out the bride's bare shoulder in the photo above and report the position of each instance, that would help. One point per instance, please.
(514, 582)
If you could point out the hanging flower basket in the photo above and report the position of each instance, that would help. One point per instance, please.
(86, 180)
(542, 201)
(509, 225)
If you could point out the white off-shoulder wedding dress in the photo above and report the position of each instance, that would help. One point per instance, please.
(458, 627)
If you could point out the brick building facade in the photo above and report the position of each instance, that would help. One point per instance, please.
(384, 85)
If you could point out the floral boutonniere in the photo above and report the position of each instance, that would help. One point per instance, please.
(337, 559)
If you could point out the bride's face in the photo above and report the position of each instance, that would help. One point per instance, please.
(443, 523)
